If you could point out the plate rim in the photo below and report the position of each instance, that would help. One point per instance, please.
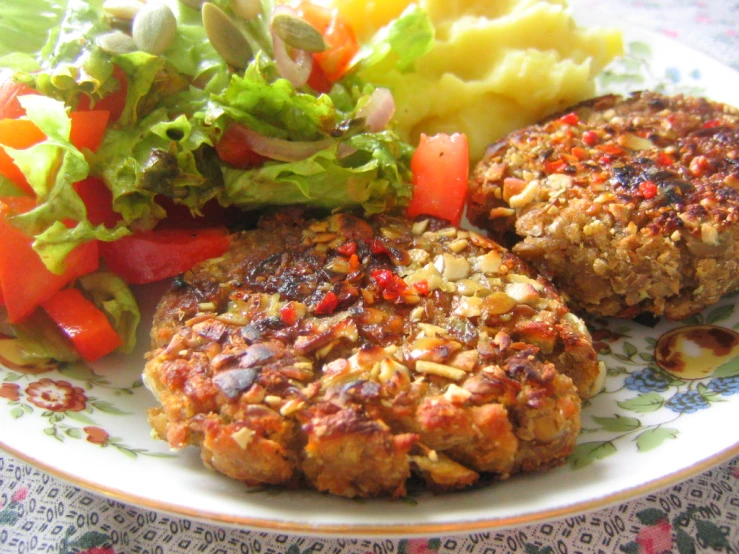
(389, 530)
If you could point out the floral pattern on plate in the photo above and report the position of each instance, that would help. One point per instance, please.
(68, 409)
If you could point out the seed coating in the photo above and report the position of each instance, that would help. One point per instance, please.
(154, 28)
(226, 37)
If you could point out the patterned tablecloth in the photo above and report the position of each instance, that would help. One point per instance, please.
(39, 513)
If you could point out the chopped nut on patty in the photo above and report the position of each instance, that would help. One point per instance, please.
(628, 205)
(347, 355)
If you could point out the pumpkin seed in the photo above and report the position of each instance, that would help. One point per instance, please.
(247, 9)
(122, 9)
(194, 4)
(154, 28)
(116, 42)
(226, 37)
(298, 33)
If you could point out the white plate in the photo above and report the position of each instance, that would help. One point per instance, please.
(648, 430)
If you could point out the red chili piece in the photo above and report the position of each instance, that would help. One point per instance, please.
(590, 138)
(556, 166)
(377, 248)
(570, 119)
(648, 189)
(711, 123)
(664, 159)
(422, 287)
(347, 249)
(392, 285)
(288, 314)
(328, 304)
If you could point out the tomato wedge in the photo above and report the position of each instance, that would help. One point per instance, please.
(154, 255)
(340, 39)
(88, 328)
(25, 281)
(440, 167)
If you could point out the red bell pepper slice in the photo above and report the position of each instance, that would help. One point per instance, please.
(10, 108)
(99, 202)
(440, 167)
(19, 134)
(154, 255)
(233, 149)
(88, 128)
(25, 280)
(88, 328)
(87, 131)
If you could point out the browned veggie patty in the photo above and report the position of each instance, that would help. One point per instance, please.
(347, 355)
(628, 205)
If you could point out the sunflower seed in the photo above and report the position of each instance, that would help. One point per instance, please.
(298, 33)
(247, 9)
(154, 28)
(225, 36)
(122, 9)
(116, 42)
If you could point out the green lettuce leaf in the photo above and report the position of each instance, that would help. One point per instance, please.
(24, 25)
(111, 295)
(40, 341)
(51, 168)
(373, 177)
(273, 107)
(398, 45)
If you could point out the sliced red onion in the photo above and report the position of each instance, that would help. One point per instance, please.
(379, 110)
(280, 149)
(345, 150)
(295, 70)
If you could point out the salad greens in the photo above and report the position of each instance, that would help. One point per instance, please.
(177, 107)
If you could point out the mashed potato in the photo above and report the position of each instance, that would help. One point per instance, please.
(496, 65)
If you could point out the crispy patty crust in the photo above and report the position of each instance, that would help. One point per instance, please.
(629, 205)
(347, 355)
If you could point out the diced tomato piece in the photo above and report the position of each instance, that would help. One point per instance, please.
(340, 39)
(233, 149)
(440, 167)
(88, 328)
(25, 280)
(154, 255)
(99, 202)
(88, 129)
(10, 107)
